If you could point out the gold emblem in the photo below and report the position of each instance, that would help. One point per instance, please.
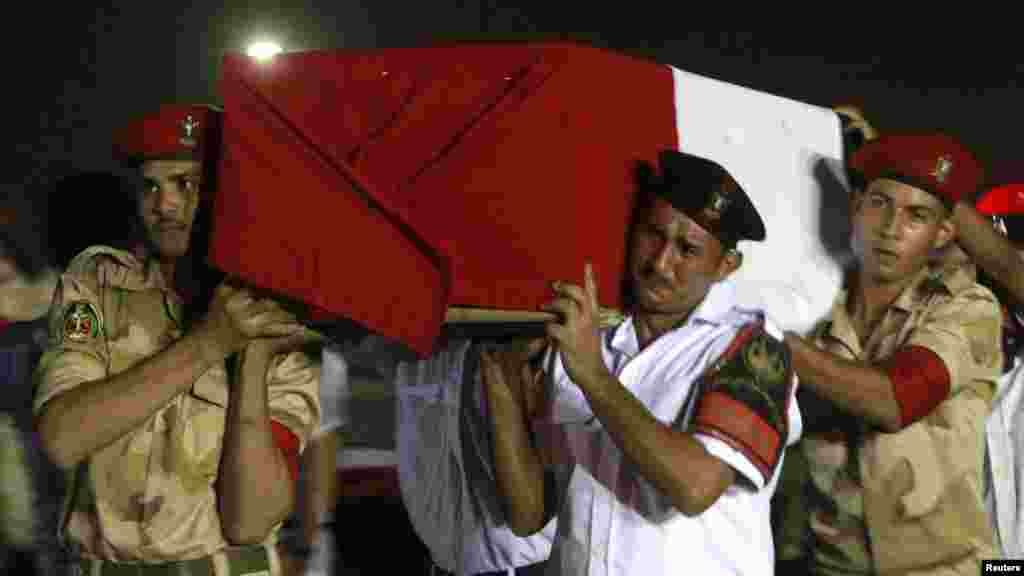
(942, 168)
(188, 129)
(81, 323)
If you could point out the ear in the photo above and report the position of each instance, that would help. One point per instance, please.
(946, 232)
(729, 263)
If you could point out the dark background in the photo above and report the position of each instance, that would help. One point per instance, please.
(76, 72)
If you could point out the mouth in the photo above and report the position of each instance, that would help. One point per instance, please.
(886, 253)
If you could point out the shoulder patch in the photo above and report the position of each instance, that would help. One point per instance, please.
(80, 322)
(744, 398)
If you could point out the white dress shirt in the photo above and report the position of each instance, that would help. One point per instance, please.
(1004, 435)
(611, 520)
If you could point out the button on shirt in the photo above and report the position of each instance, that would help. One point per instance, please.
(611, 520)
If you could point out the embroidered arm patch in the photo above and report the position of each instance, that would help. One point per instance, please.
(744, 398)
(81, 322)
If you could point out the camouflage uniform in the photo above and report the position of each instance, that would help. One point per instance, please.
(910, 502)
(149, 496)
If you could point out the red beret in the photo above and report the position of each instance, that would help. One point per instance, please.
(173, 131)
(936, 163)
(1004, 200)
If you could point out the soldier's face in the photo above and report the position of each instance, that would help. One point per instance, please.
(673, 261)
(897, 228)
(168, 202)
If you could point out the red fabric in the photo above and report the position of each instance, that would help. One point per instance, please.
(1002, 200)
(288, 443)
(161, 133)
(4, 323)
(934, 162)
(733, 422)
(389, 185)
(920, 382)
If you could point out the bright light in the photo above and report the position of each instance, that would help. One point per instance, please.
(263, 50)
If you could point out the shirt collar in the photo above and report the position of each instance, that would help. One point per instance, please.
(927, 282)
(715, 308)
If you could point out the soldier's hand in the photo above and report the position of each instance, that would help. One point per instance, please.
(235, 317)
(512, 369)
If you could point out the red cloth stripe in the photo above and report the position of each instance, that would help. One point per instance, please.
(4, 323)
(288, 443)
(734, 423)
(920, 382)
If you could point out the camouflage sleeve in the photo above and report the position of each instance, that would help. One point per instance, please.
(743, 410)
(293, 393)
(76, 350)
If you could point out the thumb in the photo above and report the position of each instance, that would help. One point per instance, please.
(591, 284)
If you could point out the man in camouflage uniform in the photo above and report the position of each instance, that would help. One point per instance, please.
(180, 437)
(900, 379)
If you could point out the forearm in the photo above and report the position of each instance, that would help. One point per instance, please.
(83, 420)
(320, 462)
(989, 249)
(861, 390)
(672, 461)
(255, 490)
(520, 473)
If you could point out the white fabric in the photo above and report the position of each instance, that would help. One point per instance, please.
(612, 521)
(1004, 431)
(334, 391)
(788, 157)
(458, 520)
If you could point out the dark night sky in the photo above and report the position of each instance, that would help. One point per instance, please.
(104, 65)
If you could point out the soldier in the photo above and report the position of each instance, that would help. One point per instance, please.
(177, 410)
(670, 427)
(899, 379)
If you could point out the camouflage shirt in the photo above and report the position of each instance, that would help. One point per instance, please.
(149, 496)
(908, 502)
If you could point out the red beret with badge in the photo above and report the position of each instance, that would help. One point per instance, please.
(935, 163)
(173, 132)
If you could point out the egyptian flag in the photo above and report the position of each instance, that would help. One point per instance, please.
(391, 186)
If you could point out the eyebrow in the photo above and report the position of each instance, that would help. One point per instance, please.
(909, 207)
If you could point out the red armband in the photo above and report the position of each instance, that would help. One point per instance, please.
(920, 382)
(288, 443)
(745, 398)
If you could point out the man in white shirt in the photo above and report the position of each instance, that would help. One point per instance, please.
(445, 466)
(669, 429)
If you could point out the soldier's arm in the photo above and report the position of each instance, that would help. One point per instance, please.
(989, 249)
(937, 359)
(520, 470)
(272, 411)
(79, 408)
(863, 390)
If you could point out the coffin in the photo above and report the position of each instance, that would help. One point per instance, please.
(401, 188)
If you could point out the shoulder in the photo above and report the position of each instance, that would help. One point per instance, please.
(103, 264)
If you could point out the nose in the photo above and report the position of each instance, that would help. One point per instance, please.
(663, 260)
(169, 200)
(890, 225)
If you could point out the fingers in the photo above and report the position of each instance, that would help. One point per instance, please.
(557, 332)
(566, 309)
(571, 292)
(535, 347)
(590, 286)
